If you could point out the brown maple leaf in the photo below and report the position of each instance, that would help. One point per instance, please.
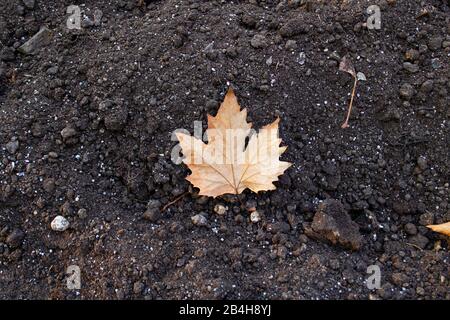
(226, 164)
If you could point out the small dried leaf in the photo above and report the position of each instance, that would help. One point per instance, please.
(443, 228)
(347, 66)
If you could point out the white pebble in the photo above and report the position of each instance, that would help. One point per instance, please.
(199, 220)
(255, 217)
(220, 209)
(59, 224)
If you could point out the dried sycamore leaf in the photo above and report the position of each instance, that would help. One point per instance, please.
(226, 164)
(347, 66)
(443, 228)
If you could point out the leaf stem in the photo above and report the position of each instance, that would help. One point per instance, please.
(345, 124)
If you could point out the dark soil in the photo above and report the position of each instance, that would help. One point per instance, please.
(86, 123)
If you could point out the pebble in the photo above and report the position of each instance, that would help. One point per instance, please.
(53, 155)
(68, 132)
(60, 224)
(435, 63)
(49, 185)
(258, 41)
(199, 220)
(410, 229)
(427, 86)
(332, 223)
(248, 21)
(82, 213)
(406, 91)
(40, 39)
(412, 55)
(138, 287)
(426, 219)
(152, 214)
(52, 70)
(301, 59)
(12, 146)
(435, 43)
(220, 209)
(411, 67)
(422, 163)
(291, 45)
(255, 217)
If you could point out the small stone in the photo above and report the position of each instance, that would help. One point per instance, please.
(37, 130)
(153, 203)
(301, 59)
(68, 132)
(40, 39)
(59, 223)
(220, 209)
(199, 220)
(412, 55)
(411, 67)
(420, 291)
(52, 70)
(12, 146)
(406, 91)
(435, 63)
(52, 155)
(49, 185)
(152, 214)
(248, 21)
(427, 86)
(422, 163)
(82, 213)
(399, 278)
(138, 287)
(410, 229)
(332, 223)
(14, 240)
(291, 45)
(426, 218)
(255, 217)
(258, 41)
(435, 43)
